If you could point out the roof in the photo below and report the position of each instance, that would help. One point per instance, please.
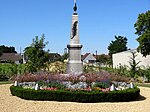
(10, 57)
(128, 51)
(84, 56)
(88, 56)
(54, 55)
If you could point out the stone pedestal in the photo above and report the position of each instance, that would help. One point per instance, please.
(74, 65)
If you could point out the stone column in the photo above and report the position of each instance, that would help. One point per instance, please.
(74, 65)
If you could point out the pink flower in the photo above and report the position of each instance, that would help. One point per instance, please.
(50, 88)
(106, 90)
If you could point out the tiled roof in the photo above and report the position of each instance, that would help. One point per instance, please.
(10, 57)
(84, 56)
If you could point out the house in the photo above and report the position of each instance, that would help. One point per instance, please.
(54, 57)
(123, 58)
(11, 57)
(88, 58)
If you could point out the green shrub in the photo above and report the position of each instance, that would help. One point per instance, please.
(7, 70)
(122, 70)
(54, 84)
(101, 85)
(3, 78)
(77, 96)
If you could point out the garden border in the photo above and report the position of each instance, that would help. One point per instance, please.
(76, 96)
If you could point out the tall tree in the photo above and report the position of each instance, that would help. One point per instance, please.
(6, 49)
(36, 54)
(142, 27)
(118, 45)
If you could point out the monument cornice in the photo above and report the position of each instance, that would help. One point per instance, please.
(74, 46)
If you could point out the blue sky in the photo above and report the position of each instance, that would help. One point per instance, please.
(99, 22)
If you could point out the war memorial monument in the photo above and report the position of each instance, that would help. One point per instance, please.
(74, 65)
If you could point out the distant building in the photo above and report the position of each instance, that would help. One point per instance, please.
(123, 58)
(11, 57)
(89, 58)
(54, 57)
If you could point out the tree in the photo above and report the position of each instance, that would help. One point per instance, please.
(64, 57)
(133, 64)
(118, 45)
(36, 54)
(103, 58)
(6, 49)
(142, 27)
(1, 52)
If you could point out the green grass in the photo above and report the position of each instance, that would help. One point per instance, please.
(5, 82)
(143, 84)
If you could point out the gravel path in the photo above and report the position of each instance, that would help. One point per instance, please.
(9, 103)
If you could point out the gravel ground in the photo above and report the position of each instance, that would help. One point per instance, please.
(9, 103)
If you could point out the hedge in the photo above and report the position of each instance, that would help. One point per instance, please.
(76, 96)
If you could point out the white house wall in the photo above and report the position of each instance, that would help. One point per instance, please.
(123, 59)
(89, 57)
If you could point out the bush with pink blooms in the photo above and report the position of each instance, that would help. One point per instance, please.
(88, 77)
(84, 82)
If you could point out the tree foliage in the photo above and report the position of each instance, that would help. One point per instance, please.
(6, 49)
(103, 58)
(133, 64)
(37, 56)
(8, 70)
(64, 57)
(142, 27)
(118, 45)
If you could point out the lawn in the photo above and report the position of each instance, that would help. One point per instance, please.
(5, 82)
(143, 84)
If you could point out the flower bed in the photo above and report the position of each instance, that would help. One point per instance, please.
(101, 87)
(76, 96)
